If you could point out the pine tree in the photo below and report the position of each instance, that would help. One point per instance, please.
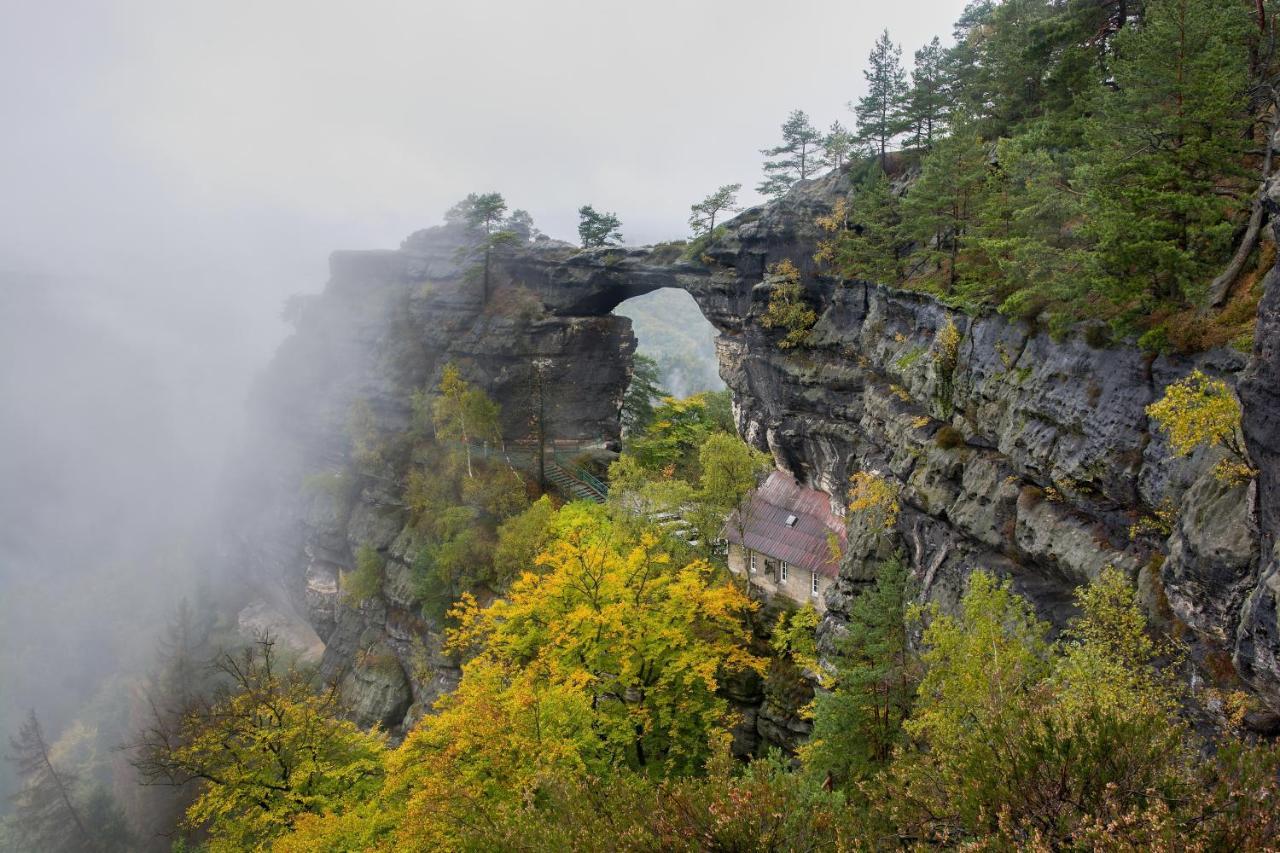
(865, 241)
(926, 103)
(598, 229)
(879, 112)
(520, 223)
(702, 218)
(942, 206)
(483, 214)
(645, 387)
(795, 159)
(1170, 138)
(858, 723)
(837, 146)
(46, 815)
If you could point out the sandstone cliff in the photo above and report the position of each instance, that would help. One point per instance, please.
(1016, 452)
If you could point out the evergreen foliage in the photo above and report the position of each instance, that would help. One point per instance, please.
(598, 229)
(881, 112)
(703, 217)
(796, 159)
(858, 723)
(1076, 161)
(642, 391)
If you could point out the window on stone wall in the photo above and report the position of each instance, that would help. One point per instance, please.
(751, 559)
(813, 583)
(782, 571)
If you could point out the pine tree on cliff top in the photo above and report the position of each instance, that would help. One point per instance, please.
(796, 159)
(879, 112)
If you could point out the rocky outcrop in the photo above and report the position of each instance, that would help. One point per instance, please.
(1011, 450)
(1257, 649)
(384, 327)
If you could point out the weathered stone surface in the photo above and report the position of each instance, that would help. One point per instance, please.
(375, 690)
(1257, 651)
(1028, 456)
(1213, 557)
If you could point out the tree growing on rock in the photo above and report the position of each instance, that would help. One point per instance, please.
(837, 146)
(863, 239)
(1169, 140)
(464, 414)
(703, 217)
(787, 307)
(926, 103)
(796, 159)
(484, 214)
(598, 229)
(1197, 411)
(880, 111)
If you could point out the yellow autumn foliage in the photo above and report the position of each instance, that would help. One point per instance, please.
(876, 495)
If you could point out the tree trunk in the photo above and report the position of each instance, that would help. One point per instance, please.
(1220, 289)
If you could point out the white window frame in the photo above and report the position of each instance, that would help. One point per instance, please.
(751, 561)
(782, 571)
(813, 584)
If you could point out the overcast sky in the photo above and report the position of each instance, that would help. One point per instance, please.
(170, 170)
(249, 138)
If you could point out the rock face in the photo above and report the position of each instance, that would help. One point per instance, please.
(1012, 451)
(385, 326)
(1257, 651)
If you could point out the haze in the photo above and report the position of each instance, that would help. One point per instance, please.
(170, 172)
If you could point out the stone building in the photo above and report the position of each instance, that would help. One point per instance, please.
(784, 540)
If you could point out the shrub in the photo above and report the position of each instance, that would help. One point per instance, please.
(1197, 411)
(365, 581)
(877, 496)
(787, 308)
(949, 438)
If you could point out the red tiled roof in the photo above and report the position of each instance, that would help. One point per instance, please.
(803, 544)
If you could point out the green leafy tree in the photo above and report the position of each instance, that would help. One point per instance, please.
(858, 723)
(670, 444)
(880, 111)
(703, 217)
(365, 581)
(521, 538)
(598, 229)
(262, 752)
(795, 159)
(729, 470)
(464, 414)
(1169, 139)
(1015, 736)
(643, 390)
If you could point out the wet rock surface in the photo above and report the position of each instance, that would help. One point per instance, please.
(1022, 454)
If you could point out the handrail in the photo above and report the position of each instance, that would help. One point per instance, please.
(580, 473)
(557, 458)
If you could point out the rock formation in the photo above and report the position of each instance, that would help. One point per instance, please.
(1016, 452)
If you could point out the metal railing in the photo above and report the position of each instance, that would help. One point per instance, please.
(557, 456)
